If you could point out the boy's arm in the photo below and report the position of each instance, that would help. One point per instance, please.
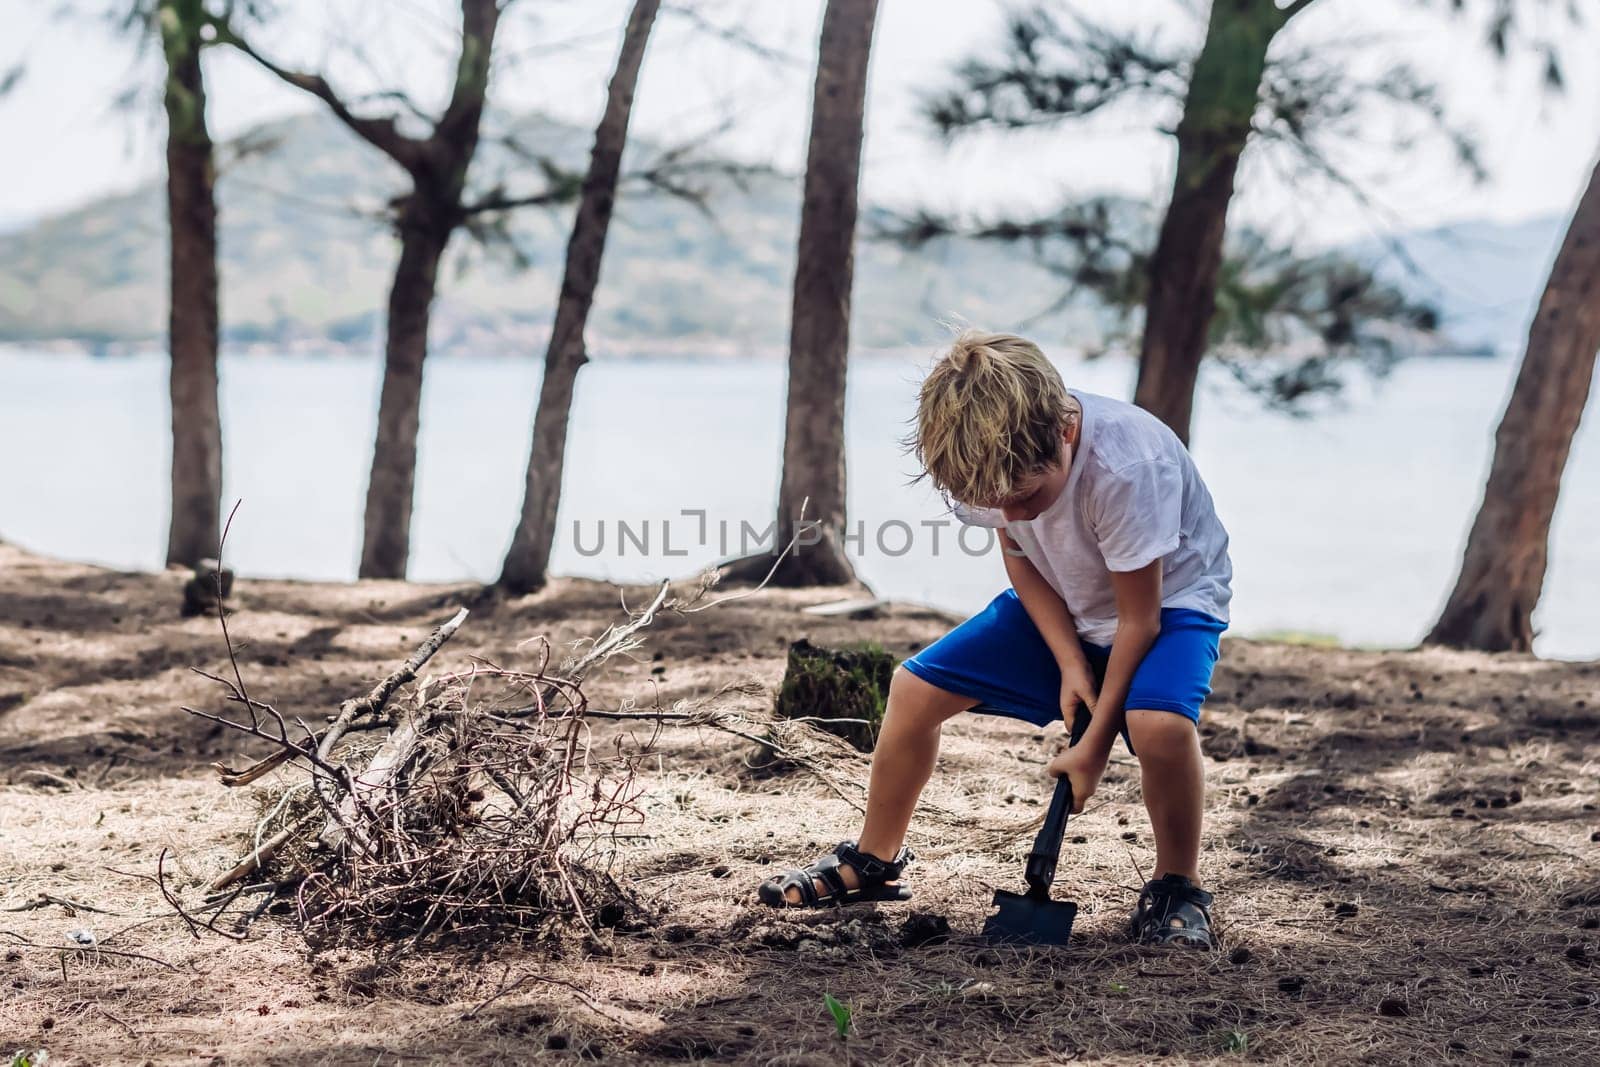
(1138, 595)
(1053, 620)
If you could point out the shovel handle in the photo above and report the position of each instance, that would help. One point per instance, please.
(1047, 846)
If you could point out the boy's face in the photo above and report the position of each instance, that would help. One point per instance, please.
(1038, 491)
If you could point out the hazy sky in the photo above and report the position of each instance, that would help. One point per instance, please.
(67, 143)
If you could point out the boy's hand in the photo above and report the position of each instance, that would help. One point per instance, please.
(1082, 770)
(1077, 687)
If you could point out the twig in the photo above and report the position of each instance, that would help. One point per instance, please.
(649, 716)
(735, 37)
(195, 925)
(351, 710)
(116, 1019)
(507, 986)
(222, 611)
(800, 526)
(613, 640)
(1553, 850)
(232, 894)
(255, 913)
(375, 700)
(111, 765)
(263, 852)
(1139, 874)
(53, 779)
(65, 950)
(44, 900)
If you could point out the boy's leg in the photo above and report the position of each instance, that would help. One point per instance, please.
(1164, 703)
(994, 662)
(902, 763)
(1172, 779)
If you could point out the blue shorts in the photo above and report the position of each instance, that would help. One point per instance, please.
(998, 658)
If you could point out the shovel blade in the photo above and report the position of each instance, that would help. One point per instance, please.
(1024, 920)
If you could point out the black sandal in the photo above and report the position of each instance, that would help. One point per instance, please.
(873, 874)
(1173, 911)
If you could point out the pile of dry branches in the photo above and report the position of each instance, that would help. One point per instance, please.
(475, 800)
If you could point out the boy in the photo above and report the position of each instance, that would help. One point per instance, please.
(1120, 582)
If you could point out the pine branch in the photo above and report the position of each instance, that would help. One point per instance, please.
(1309, 97)
(1285, 323)
(736, 37)
(498, 201)
(381, 132)
(1512, 26)
(1049, 72)
(668, 176)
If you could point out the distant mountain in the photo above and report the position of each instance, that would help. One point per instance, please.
(1485, 277)
(306, 262)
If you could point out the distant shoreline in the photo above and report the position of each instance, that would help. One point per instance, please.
(697, 351)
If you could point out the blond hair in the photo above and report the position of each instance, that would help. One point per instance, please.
(989, 415)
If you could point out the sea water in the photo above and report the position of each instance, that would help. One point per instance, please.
(1347, 524)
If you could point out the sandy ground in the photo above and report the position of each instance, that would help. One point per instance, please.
(1403, 847)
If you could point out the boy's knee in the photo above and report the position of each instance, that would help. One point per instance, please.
(1160, 736)
(913, 697)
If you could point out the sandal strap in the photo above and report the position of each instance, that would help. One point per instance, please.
(827, 869)
(1163, 899)
(800, 881)
(1164, 891)
(870, 869)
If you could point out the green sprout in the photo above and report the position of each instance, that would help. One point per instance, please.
(841, 1014)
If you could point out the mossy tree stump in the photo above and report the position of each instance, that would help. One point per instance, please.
(211, 585)
(850, 685)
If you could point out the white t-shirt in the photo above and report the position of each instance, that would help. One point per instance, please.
(1132, 496)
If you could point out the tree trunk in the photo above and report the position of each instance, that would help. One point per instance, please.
(1217, 113)
(386, 544)
(1502, 571)
(819, 332)
(192, 314)
(428, 216)
(528, 560)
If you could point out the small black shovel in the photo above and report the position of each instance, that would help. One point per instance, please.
(1033, 918)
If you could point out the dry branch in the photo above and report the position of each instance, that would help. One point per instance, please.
(351, 710)
(374, 702)
(252, 862)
